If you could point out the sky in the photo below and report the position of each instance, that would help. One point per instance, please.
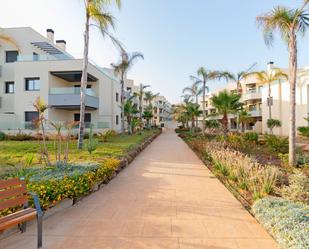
(175, 36)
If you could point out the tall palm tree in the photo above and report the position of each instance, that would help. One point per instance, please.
(140, 95)
(268, 77)
(150, 96)
(244, 118)
(130, 110)
(194, 91)
(97, 16)
(193, 112)
(206, 76)
(290, 23)
(8, 39)
(121, 68)
(226, 103)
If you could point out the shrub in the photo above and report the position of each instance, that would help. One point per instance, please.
(107, 135)
(20, 137)
(298, 188)
(286, 221)
(56, 183)
(272, 123)
(251, 137)
(2, 136)
(304, 131)
(212, 124)
(277, 144)
(92, 142)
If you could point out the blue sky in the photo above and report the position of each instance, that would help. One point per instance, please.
(176, 36)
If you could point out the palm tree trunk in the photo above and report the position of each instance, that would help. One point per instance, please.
(225, 124)
(141, 109)
(269, 105)
(204, 113)
(196, 101)
(292, 79)
(122, 105)
(83, 83)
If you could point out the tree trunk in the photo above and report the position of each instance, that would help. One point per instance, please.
(122, 105)
(196, 101)
(83, 83)
(225, 124)
(129, 125)
(141, 109)
(204, 113)
(292, 81)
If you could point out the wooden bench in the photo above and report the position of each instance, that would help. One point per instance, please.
(13, 193)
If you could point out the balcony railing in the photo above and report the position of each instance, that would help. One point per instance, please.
(251, 95)
(71, 90)
(69, 98)
(42, 57)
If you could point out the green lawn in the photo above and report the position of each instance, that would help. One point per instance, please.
(15, 152)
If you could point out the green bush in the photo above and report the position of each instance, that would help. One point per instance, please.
(286, 221)
(272, 123)
(107, 135)
(2, 136)
(251, 137)
(277, 144)
(20, 137)
(304, 131)
(65, 181)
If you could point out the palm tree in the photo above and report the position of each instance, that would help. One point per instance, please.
(193, 112)
(148, 115)
(140, 95)
(121, 68)
(8, 39)
(130, 110)
(268, 77)
(206, 76)
(244, 118)
(96, 16)
(194, 91)
(290, 23)
(226, 103)
(149, 97)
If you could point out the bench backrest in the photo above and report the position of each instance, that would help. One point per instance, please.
(13, 192)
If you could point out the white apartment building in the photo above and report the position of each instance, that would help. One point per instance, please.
(254, 97)
(34, 65)
(161, 106)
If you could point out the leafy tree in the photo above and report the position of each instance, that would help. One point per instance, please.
(226, 103)
(193, 112)
(290, 23)
(97, 16)
(148, 115)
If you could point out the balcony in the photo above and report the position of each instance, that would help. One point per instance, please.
(68, 98)
(251, 95)
(255, 113)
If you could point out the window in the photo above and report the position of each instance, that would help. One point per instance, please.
(117, 119)
(129, 89)
(117, 97)
(29, 118)
(32, 84)
(87, 117)
(9, 87)
(11, 56)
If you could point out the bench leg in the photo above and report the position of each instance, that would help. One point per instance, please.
(22, 227)
(39, 224)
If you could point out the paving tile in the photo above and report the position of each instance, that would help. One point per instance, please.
(208, 244)
(157, 228)
(188, 228)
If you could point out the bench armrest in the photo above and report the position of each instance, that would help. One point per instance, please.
(36, 203)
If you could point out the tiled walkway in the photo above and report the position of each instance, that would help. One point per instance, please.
(165, 199)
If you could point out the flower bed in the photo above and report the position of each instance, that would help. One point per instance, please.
(56, 183)
(286, 221)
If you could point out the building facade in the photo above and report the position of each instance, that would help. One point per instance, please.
(255, 95)
(36, 66)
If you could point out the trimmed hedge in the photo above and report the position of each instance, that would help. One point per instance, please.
(286, 221)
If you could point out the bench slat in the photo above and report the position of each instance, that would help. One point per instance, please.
(17, 220)
(13, 202)
(11, 192)
(16, 214)
(11, 182)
